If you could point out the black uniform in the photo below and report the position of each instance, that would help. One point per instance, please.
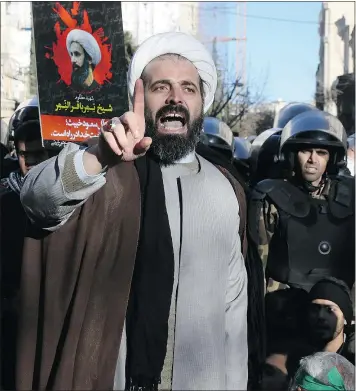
(313, 237)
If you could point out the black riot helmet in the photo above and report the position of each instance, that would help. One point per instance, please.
(314, 129)
(290, 111)
(241, 149)
(26, 111)
(216, 134)
(241, 157)
(264, 156)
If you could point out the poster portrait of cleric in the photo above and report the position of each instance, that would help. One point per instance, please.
(85, 55)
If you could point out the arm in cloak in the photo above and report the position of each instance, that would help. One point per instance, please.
(54, 189)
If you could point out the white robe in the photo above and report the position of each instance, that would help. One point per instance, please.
(207, 341)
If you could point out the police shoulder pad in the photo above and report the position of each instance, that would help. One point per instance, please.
(284, 196)
(342, 197)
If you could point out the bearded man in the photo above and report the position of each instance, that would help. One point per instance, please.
(142, 251)
(84, 54)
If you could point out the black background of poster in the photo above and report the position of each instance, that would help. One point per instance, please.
(101, 14)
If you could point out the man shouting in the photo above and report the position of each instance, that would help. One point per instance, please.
(140, 281)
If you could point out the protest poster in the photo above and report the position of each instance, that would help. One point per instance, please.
(81, 68)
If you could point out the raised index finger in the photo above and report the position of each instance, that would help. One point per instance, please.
(139, 99)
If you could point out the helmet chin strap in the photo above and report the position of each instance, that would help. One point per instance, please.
(310, 187)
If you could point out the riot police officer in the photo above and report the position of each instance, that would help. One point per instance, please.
(263, 154)
(241, 156)
(25, 133)
(265, 147)
(219, 138)
(26, 111)
(217, 135)
(308, 218)
(290, 111)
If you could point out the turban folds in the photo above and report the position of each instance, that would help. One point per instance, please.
(87, 41)
(175, 43)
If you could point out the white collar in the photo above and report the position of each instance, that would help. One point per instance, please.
(187, 159)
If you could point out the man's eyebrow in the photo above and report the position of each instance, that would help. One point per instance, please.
(189, 83)
(169, 82)
(161, 81)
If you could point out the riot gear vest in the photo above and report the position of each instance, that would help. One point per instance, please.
(313, 238)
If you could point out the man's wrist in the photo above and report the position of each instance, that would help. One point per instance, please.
(106, 157)
(86, 173)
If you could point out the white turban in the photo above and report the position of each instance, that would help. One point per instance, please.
(175, 43)
(87, 41)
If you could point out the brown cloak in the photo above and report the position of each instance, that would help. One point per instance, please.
(75, 288)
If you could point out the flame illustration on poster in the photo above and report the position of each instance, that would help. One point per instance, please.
(81, 68)
(60, 55)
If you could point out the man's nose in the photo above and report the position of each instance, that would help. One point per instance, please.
(313, 156)
(175, 96)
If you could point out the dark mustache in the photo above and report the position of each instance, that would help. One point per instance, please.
(176, 109)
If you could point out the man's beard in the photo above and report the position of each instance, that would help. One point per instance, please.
(322, 325)
(80, 74)
(170, 148)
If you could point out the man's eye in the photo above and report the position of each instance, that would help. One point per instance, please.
(160, 88)
(190, 89)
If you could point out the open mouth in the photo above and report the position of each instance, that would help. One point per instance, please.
(172, 122)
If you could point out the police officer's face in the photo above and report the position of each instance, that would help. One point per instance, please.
(30, 153)
(313, 163)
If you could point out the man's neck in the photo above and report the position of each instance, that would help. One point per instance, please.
(335, 344)
(187, 158)
(316, 183)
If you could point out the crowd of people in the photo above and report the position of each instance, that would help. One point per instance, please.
(169, 254)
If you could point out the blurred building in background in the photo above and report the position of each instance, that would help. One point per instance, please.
(335, 76)
(143, 19)
(15, 55)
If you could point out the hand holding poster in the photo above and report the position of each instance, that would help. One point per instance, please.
(81, 68)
